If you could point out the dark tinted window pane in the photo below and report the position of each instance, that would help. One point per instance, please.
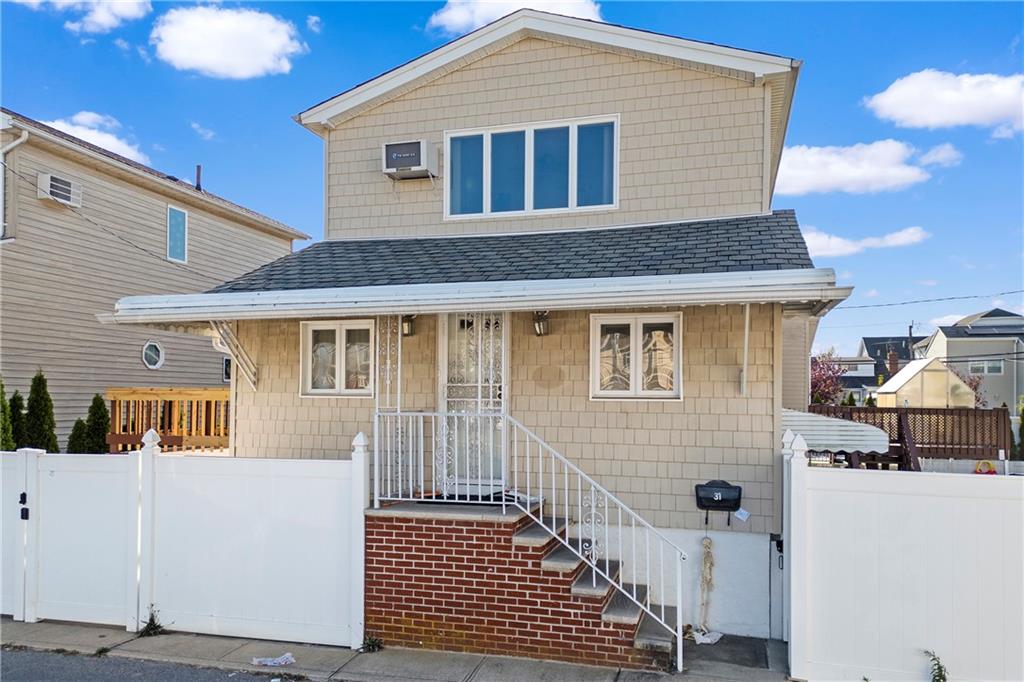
(551, 168)
(508, 171)
(595, 161)
(467, 168)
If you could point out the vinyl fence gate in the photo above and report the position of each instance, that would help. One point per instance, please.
(264, 548)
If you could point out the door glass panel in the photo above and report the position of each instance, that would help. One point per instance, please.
(595, 163)
(508, 171)
(357, 358)
(467, 168)
(658, 356)
(551, 168)
(615, 357)
(324, 357)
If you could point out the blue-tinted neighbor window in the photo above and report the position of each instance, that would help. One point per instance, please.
(508, 171)
(595, 163)
(551, 168)
(177, 234)
(467, 169)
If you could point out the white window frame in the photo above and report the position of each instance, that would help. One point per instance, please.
(225, 374)
(167, 234)
(163, 354)
(984, 363)
(529, 128)
(339, 327)
(635, 323)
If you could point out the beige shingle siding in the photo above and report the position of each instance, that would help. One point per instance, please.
(796, 374)
(649, 453)
(690, 142)
(60, 271)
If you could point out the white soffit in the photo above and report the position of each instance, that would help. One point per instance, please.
(807, 286)
(531, 21)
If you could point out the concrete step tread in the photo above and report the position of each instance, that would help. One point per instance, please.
(653, 635)
(621, 609)
(535, 535)
(585, 584)
(561, 559)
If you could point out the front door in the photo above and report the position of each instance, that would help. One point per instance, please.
(472, 367)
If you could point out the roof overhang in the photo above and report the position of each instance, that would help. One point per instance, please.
(813, 290)
(828, 434)
(756, 65)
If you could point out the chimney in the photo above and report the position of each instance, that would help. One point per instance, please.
(199, 177)
(892, 360)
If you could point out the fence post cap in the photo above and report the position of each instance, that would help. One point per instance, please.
(360, 441)
(799, 447)
(151, 437)
(787, 439)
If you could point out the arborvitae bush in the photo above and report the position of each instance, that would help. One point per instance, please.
(40, 426)
(78, 441)
(97, 426)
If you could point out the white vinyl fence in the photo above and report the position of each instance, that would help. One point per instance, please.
(231, 546)
(886, 564)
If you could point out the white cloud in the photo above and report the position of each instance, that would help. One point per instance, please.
(928, 282)
(203, 132)
(226, 43)
(461, 16)
(823, 244)
(98, 129)
(314, 23)
(944, 155)
(881, 166)
(143, 54)
(946, 320)
(939, 99)
(871, 293)
(95, 16)
(122, 44)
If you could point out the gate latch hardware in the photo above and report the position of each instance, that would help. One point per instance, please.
(24, 513)
(23, 499)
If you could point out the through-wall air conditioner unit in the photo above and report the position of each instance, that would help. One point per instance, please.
(61, 189)
(408, 160)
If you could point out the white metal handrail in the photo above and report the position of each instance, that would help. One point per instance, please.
(491, 458)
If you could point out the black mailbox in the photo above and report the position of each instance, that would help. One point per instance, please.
(718, 496)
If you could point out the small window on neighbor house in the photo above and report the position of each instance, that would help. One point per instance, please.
(153, 355)
(177, 234)
(985, 367)
(225, 370)
(635, 356)
(337, 358)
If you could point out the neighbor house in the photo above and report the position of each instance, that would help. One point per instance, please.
(83, 227)
(552, 284)
(989, 345)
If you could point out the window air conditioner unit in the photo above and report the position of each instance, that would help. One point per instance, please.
(408, 160)
(64, 190)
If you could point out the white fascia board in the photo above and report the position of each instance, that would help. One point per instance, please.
(777, 286)
(755, 63)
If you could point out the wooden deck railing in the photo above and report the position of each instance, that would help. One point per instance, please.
(957, 433)
(185, 418)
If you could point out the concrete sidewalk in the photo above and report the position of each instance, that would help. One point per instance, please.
(335, 663)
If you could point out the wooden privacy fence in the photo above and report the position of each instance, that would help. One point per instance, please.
(957, 433)
(185, 418)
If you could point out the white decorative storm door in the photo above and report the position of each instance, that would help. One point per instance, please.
(472, 364)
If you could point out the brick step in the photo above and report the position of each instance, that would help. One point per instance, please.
(651, 634)
(623, 610)
(536, 535)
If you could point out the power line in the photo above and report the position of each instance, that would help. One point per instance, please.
(32, 183)
(927, 300)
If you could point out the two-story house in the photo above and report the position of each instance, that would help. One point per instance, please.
(83, 227)
(555, 295)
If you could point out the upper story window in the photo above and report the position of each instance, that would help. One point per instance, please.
(536, 168)
(177, 234)
(985, 367)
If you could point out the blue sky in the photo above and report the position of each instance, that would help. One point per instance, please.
(904, 157)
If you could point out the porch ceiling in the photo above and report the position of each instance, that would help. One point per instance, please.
(811, 290)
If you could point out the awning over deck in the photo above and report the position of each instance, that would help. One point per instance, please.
(827, 434)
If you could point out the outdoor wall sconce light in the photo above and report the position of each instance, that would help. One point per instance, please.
(540, 323)
(407, 326)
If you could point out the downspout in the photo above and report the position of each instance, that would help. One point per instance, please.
(746, 349)
(3, 178)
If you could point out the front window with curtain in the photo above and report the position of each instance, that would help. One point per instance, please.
(337, 358)
(635, 356)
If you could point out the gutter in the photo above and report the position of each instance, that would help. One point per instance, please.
(814, 289)
(7, 123)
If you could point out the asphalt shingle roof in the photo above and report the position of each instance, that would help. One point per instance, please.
(768, 242)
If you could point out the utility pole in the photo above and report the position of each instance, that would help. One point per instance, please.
(910, 340)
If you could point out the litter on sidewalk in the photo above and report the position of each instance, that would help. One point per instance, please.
(283, 659)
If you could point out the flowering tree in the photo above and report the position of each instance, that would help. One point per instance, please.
(825, 384)
(973, 382)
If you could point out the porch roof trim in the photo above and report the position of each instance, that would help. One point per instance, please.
(814, 288)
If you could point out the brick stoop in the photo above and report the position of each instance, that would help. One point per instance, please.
(469, 579)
